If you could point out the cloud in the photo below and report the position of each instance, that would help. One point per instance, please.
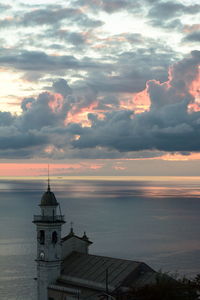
(120, 70)
(57, 46)
(109, 6)
(168, 14)
(46, 16)
(28, 134)
(37, 63)
(169, 9)
(93, 93)
(78, 38)
(12, 138)
(75, 38)
(40, 129)
(168, 126)
(6, 118)
(49, 16)
(61, 86)
(192, 37)
(191, 28)
(38, 60)
(167, 24)
(4, 7)
(82, 121)
(131, 70)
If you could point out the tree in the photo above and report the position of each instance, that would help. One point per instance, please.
(168, 288)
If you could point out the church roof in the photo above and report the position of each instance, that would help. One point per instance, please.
(48, 198)
(90, 270)
(72, 235)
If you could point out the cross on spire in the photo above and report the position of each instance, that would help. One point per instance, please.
(48, 188)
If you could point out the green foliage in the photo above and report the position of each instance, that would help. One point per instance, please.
(197, 281)
(168, 288)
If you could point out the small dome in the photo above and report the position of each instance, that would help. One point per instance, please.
(48, 199)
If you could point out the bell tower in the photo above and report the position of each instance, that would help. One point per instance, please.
(49, 254)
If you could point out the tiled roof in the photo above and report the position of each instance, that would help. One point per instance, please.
(80, 268)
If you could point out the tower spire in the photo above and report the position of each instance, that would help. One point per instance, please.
(48, 188)
(49, 248)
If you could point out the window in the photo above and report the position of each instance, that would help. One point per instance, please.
(54, 237)
(41, 237)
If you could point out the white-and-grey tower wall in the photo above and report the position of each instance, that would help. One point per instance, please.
(49, 251)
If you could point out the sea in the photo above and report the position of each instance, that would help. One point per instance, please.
(151, 219)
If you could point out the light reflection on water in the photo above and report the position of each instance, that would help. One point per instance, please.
(156, 221)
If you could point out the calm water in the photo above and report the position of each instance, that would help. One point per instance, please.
(156, 221)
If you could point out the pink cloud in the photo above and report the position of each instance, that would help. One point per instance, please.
(56, 102)
(40, 169)
(191, 28)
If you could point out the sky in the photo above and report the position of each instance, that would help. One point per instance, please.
(100, 87)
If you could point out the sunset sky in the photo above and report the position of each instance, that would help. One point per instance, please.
(100, 87)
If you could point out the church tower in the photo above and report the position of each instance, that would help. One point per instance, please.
(49, 254)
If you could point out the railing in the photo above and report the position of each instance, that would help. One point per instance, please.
(57, 218)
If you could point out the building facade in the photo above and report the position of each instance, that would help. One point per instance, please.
(49, 244)
(66, 270)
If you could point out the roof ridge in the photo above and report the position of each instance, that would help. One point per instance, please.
(108, 257)
(69, 235)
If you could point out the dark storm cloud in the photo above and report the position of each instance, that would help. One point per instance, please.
(167, 24)
(37, 113)
(61, 86)
(186, 71)
(192, 37)
(6, 118)
(51, 16)
(17, 141)
(40, 62)
(12, 138)
(22, 153)
(169, 9)
(47, 16)
(148, 131)
(77, 38)
(168, 14)
(167, 126)
(133, 69)
(35, 60)
(31, 131)
(41, 123)
(26, 102)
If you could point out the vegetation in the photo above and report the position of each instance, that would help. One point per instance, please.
(168, 288)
